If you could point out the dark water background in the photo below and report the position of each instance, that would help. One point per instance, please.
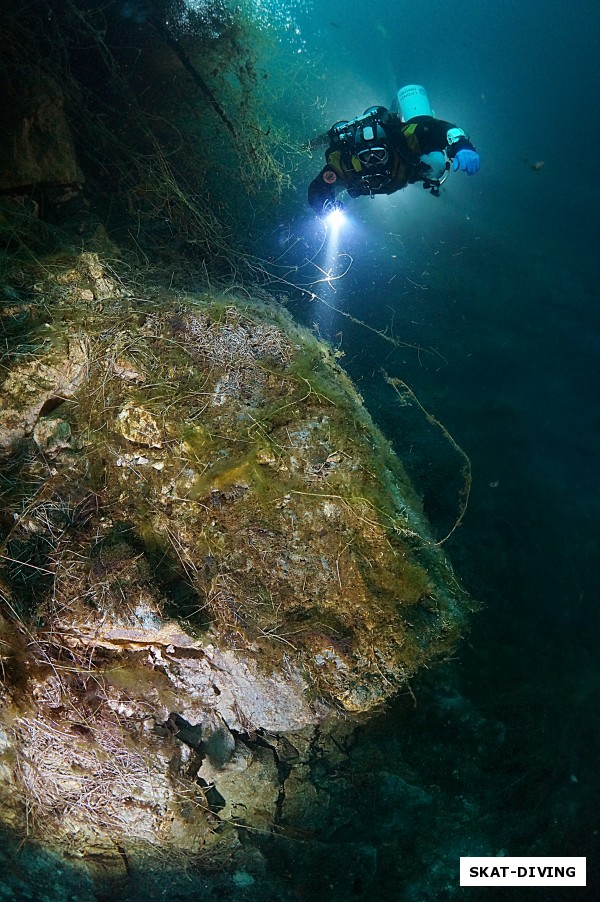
(496, 284)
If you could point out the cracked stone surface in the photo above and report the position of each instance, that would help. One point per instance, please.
(212, 563)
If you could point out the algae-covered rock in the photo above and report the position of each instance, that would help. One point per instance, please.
(223, 538)
(51, 375)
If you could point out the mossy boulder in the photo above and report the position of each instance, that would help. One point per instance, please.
(219, 533)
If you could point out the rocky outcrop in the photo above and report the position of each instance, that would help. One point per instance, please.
(211, 560)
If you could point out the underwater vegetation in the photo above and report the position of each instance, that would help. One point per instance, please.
(159, 108)
(210, 560)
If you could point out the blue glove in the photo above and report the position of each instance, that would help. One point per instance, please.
(467, 160)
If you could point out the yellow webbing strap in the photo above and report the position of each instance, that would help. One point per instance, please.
(411, 138)
(334, 159)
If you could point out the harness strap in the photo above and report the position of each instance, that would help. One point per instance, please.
(411, 138)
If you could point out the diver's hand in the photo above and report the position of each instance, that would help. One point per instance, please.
(330, 206)
(467, 160)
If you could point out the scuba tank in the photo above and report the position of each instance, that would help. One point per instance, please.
(413, 101)
(352, 132)
(368, 127)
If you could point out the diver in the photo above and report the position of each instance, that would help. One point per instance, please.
(383, 151)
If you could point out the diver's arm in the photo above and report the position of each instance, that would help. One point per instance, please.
(460, 150)
(437, 134)
(321, 190)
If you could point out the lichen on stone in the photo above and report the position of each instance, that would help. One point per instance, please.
(206, 539)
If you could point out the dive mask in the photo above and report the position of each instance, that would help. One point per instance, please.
(373, 156)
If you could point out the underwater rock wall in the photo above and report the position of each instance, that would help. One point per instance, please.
(37, 148)
(212, 563)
